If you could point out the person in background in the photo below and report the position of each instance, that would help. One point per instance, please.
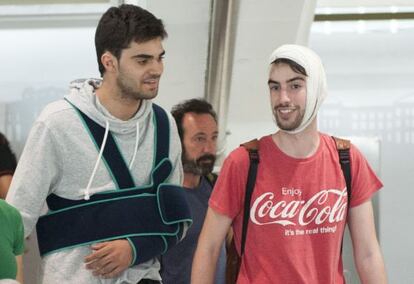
(197, 126)
(11, 243)
(11, 225)
(299, 206)
(7, 166)
(100, 158)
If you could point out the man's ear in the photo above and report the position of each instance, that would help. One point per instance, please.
(109, 62)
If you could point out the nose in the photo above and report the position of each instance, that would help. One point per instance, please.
(157, 67)
(210, 146)
(284, 95)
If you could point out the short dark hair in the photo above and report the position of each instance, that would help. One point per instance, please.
(119, 26)
(199, 106)
(8, 160)
(296, 67)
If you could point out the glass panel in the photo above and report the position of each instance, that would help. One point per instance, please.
(371, 94)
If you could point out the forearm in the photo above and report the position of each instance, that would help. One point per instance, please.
(204, 264)
(367, 252)
(19, 276)
(209, 244)
(371, 268)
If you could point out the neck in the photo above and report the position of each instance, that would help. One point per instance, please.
(120, 107)
(300, 145)
(191, 180)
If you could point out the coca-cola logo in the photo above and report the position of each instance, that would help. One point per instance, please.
(327, 205)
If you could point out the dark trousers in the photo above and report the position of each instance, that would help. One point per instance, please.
(149, 281)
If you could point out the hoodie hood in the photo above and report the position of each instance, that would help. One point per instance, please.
(82, 95)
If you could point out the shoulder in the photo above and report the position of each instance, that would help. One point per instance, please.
(10, 213)
(57, 119)
(238, 155)
(55, 113)
(241, 154)
(344, 142)
(54, 127)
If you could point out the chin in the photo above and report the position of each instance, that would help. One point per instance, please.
(145, 96)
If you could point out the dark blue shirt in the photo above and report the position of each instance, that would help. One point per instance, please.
(176, 262)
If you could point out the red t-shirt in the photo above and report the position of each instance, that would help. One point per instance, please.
(298, 211)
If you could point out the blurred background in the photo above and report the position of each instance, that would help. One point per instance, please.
(218, 49)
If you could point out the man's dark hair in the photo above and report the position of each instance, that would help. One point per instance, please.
(119, 26)
(199, 106)
(292, 64)
(8, 160)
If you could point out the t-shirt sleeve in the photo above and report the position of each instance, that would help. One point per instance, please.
(18, 248)
(364, 180)
(228, 193)
(7, 158)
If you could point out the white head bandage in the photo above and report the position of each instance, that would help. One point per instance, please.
(316, 90)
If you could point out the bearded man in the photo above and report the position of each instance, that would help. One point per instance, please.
(197, 126)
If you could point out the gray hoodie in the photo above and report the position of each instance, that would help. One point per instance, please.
(59, 157)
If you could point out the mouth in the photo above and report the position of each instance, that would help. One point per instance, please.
(152, 83)
(207, 159)
(285, 112)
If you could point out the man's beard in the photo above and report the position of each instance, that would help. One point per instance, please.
(201, 166)
(128, 89)
(283, 125)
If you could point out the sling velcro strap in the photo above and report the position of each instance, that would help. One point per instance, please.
(141, 215)
(158, 176)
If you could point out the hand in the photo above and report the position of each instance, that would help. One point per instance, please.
(109, 259)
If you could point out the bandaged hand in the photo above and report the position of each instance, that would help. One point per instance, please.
(109, 259)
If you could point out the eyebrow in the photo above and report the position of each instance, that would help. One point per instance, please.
(288, 81)
(147, 56)
(203, 133)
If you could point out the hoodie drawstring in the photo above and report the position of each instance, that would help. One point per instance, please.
(135, 148)
(87, 196)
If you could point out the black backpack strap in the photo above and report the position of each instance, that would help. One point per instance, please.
(343, 146)
(253, 148)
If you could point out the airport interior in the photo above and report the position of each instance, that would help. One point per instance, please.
(219, 50)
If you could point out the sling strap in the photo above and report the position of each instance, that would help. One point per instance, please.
(111, 154)
(151, 217)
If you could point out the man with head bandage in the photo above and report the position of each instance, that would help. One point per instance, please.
(301, 201)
